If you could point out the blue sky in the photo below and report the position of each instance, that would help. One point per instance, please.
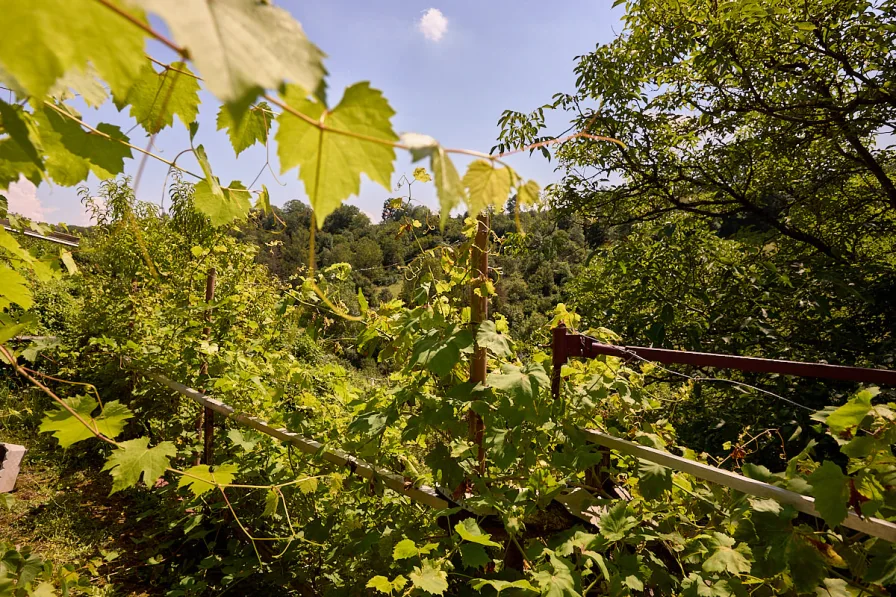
(492, 55)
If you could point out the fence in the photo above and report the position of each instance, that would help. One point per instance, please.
(429, 496)
(565, 345)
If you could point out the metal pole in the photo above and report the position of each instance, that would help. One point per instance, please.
(208, 414)
(589, 348)
(478, 314)
(559, 357)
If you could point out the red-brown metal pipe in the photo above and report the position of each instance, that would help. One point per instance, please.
(574, 345)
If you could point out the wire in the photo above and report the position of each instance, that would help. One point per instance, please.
(709, 379)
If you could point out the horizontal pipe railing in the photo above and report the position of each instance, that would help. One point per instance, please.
(872, 526)
(428, 496)
(422, 494)
(567, 345)
(68, 240)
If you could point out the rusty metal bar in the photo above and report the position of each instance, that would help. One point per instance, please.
(566, 345)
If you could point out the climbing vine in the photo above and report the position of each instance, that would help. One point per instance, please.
(541, 511)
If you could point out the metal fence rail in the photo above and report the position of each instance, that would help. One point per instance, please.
(422, 494)
(872, 526)
(566, 345)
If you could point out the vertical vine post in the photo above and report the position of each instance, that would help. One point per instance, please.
(559, 357)
(478, 314)
(208, 415)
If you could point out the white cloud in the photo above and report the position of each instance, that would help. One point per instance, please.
(433, 24)
(23, 200)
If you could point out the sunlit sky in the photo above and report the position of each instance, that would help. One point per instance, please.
(448, 70)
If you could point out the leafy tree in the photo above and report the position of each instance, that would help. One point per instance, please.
(770, 115)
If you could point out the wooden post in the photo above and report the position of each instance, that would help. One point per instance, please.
(208, 414)
(478, 314)
(559, 357)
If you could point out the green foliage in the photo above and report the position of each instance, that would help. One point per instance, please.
(65, 36)
(135, 459)
(254, 127)
(487, 185)
(201, 479)
(581, 521)
(429, 578)
(330, 163)
(75, 421)
(157, 97)
(242, 47)
(470, 531)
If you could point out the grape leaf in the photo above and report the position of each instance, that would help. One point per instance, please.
(469, 531)
(421, 175)
(242, 46)
(200, 479)
(43, 589)
(69, 430)
(72, 153)
(474, 556)
(529, 194)
(440, 351)
(14, 162)
(254, 127)
(404, 549)
(831, 492)
(19, 125)
(487, 185)
(134, 458)
(499, 585)
(308, 485)
(271, 503)
(560, 582)
(243, 440)
(330, 164)
(82, 84)
(449, 187)
(13, 289)
(68, 261)
(807, 568)
(725, 558)
(7, 332)
(653, 479)
(263, 203)
(523, 383)
(233, 202)
(882, 568)
(55, 37)
(380, 583)
(157, 97)
(834, 587)
(850, 414)
(430, 579)
(616, 522)
(488, 337)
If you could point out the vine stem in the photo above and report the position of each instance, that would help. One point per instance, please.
(145, 27)
(20, 370)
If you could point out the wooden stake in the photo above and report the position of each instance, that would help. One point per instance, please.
(208, 416)
(478, 314)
